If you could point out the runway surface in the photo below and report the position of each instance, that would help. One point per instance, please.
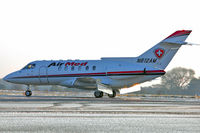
(88, 114)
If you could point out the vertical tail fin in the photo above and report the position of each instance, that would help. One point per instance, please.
(161, 54)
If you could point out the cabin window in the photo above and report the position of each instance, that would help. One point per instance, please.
(79, 68)
(72, 68)
(94, 68)
(87, 68)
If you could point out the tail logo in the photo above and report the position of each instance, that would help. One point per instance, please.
(159, 52)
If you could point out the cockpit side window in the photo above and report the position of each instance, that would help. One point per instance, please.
(29, 66)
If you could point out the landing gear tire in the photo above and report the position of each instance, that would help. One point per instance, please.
(28, 93)
(112, 95)
(98, 94)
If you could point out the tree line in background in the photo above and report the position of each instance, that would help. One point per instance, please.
(178, 81)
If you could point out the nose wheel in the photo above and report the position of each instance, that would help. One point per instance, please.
(28, 92)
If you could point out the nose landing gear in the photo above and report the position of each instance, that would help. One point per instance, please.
(28, 92)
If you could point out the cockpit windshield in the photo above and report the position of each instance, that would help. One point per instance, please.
(29, 66)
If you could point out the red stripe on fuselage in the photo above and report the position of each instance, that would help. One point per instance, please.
(99, 74)
(78, 74)
(126, 72)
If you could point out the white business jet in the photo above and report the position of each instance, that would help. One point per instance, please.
(105, 76)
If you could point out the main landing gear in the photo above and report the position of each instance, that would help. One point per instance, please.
(112, 95)
(28, 92)
(99, 94)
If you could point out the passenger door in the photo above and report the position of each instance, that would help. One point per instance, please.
(43, 75)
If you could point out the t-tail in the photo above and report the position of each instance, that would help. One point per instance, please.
(161, 54)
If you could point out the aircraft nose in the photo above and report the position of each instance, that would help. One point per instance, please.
(6, 78)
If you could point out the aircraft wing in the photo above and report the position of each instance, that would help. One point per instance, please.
(88, 83)
(86, 80)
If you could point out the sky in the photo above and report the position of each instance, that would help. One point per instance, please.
(91, 29)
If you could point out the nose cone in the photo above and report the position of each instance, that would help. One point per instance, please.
(6, 78)
(9, 77)
(14, 78)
